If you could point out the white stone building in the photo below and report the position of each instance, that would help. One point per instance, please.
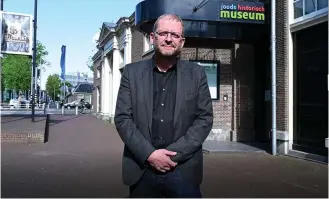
(114, 52)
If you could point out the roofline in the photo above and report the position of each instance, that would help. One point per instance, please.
(119, 25)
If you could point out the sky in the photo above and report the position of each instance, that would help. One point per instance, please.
(74, 23)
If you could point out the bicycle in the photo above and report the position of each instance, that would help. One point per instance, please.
(83, 106)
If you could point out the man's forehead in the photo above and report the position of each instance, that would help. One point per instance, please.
(169, 24)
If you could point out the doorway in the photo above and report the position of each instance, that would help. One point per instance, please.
(310, 89)
(262, 91)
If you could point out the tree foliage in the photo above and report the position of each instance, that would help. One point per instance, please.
(17, 72)
(17, 69)
(2, 82)
(68, 84)
(53, 85)
(90, 64)
(42, 53)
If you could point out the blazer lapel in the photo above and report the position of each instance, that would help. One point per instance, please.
(180, 92)
(147, 84)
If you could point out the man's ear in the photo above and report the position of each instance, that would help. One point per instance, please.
(152, 38)
(183, 42)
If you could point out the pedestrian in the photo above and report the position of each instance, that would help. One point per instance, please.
(163, 115)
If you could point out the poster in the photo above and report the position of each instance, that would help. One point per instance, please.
(211, 71)
(16, 33)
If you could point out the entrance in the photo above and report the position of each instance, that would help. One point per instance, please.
(310, 89)
(263, 123)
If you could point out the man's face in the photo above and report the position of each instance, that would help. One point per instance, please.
(167, 39)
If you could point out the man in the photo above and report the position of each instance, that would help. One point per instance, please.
(163, 115)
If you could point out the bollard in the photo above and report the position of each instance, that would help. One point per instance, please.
(27, 106)
(48, 106)
(76, 110)
(44, 105)
(57, 106)
(44, 108)
(62, 110)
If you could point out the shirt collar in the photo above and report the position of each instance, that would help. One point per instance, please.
(174, 67)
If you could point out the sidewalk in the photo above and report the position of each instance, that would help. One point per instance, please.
(83, 159)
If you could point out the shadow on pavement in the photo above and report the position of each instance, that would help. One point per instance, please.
(56, 119)
(13, 118)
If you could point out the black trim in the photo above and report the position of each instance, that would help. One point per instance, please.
(204, 23)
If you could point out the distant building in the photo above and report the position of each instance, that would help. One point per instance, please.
(78, 77)
(81, 91)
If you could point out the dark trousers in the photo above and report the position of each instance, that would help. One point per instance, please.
(164, 185)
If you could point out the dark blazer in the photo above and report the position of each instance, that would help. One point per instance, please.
(193, 119)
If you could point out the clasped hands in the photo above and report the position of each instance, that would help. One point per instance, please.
(160, 160)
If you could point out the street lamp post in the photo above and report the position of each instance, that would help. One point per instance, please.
(34, 55)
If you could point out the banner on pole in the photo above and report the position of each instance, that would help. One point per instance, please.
(63, 49)
(16, 33)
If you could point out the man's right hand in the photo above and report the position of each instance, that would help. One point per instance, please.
(160, 160)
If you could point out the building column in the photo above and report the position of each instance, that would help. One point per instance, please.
(105, 88)
(116, 78)
(127, 51)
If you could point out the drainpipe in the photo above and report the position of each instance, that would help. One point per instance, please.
(273, 59)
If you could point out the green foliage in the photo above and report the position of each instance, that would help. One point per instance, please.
(16, 69)
(2, 82)
(68, 84)
(53, 86)
(90, 64)
(42, 53)
(17, 72)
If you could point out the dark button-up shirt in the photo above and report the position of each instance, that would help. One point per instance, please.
(164, 99)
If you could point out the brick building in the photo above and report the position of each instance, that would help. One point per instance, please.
(238, 61)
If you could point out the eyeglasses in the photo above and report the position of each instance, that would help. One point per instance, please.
(174, 35)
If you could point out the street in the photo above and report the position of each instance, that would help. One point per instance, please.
(83, 159)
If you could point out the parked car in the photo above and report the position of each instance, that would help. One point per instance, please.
(71, 104)
(13, 103)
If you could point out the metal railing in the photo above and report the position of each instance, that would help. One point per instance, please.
(7, 109)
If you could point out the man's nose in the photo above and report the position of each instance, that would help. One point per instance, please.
(168, 37)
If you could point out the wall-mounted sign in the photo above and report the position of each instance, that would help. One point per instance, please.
(16, 33)
(244, 12)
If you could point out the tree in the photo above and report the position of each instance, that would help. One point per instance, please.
(2, 85)
(53, 85)
(17, 68)
(90, 64)
(68, 84)
(42, 53)
(17, 72)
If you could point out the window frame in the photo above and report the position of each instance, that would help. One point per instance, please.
(217, 63)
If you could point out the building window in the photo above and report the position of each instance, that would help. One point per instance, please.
(309, 7)
(305, 7)
(298, 8)
(98, 73)
(147, 43)
(212, 71)
(322, 4)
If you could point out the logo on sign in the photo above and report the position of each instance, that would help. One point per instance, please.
(239, 12)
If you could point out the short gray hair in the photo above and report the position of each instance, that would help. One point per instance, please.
(169, 17)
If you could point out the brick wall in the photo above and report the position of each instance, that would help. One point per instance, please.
(18, 137)
(282, 32)
(236, 81)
